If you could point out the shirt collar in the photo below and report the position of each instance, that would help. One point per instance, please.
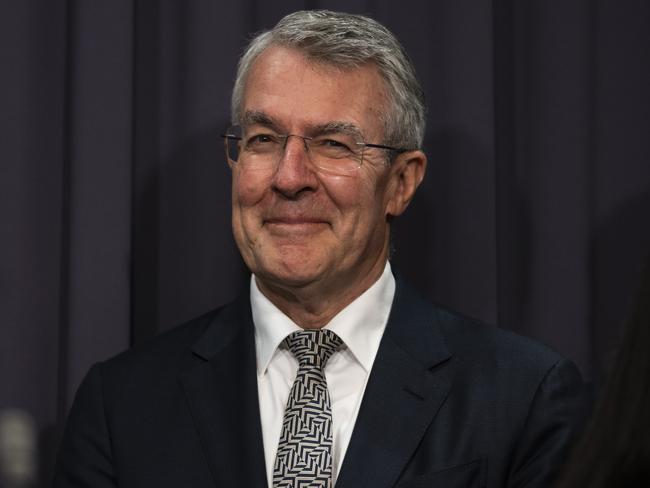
(360, 325)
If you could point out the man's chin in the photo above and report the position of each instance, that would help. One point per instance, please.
(287, 279)
(290, 275)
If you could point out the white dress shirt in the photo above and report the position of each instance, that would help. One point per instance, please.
(360, 325)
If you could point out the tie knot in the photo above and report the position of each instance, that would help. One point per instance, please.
(313, 347)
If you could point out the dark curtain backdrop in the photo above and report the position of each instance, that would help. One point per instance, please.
(114, 193)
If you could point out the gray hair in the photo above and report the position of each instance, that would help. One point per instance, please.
(348, 41)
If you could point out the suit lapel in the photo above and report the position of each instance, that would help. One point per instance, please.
(409, 382)
(221, 391)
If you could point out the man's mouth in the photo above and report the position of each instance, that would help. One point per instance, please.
(295, 220)
(295, 225)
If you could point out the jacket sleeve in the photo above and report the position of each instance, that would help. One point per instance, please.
(554, 420)
(85, 458)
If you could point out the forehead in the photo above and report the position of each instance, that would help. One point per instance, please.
(298, 92)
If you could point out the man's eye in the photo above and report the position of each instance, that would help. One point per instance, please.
(261, 139)
(333, 144)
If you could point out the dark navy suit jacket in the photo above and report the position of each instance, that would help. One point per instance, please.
(450, 402)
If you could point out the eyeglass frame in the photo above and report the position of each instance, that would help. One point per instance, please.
(285, 137)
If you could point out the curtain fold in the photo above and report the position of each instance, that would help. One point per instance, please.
(97, 164)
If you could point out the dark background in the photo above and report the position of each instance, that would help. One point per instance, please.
(114, 193)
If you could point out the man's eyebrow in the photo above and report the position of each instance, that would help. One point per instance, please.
(336, 127)
(256, 117)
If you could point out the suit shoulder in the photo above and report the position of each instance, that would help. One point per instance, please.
(471, 342)
(167, 352)
(177, 338)
(475, 340)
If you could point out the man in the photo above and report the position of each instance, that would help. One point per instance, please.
(328, 371)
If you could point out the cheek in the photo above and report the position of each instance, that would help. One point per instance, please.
(359, 202)
(348, 192)
(248, 191)
(248, 188)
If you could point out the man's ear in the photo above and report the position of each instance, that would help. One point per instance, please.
(407, 172)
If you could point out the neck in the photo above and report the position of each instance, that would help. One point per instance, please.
(314, 305)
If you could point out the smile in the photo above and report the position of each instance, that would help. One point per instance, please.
(295, 226)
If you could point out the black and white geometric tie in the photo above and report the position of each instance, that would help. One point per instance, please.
(304, 457)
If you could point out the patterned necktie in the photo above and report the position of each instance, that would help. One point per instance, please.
(304, 457)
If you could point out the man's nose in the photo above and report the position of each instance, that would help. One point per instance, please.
(295, 173)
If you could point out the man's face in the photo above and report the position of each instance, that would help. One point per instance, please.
(295, 225)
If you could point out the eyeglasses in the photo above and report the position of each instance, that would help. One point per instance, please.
(336, 152)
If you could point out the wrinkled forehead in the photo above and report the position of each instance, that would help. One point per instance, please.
(286, 85)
